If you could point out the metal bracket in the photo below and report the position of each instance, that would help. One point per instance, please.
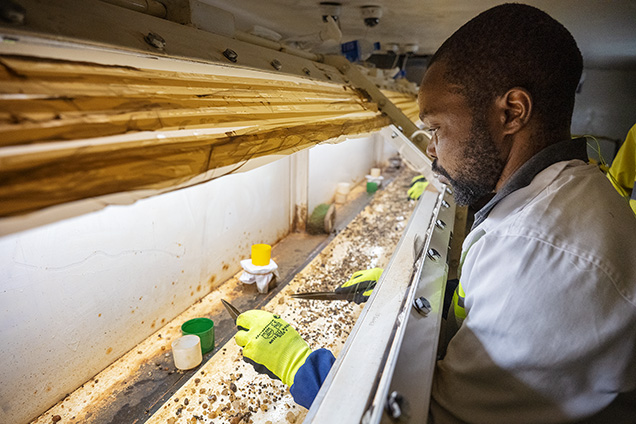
(418, 137)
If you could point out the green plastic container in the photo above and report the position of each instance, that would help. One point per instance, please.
(202, 327)
(372, 187)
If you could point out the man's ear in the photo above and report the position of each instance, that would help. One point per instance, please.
(515, 109)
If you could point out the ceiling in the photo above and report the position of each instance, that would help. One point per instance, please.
(604, 29)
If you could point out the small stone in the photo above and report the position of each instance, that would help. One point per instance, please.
(291, 417)
(56, 418)
(233, 387)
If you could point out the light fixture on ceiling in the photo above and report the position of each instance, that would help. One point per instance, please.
(371, 15)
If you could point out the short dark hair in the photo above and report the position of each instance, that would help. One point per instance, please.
(515, 45)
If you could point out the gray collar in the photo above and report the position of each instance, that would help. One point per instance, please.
(558, 152)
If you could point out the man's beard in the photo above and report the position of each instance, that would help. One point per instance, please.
(481, 166)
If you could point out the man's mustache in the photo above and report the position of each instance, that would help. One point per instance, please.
(440, 171)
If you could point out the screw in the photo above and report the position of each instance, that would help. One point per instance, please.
(422, 305)
(445, 204)
(448, 190)
(12, 13)
(155, 40)
(396, 405)
(230, 55)
(276, 64)
(433, 254)
(440, 224)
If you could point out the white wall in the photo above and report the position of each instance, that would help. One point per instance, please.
(77, 294)
(606, 106)
(330, 164)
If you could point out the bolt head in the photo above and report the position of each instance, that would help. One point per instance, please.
(433, 254)
(422, 305)
(276, 64)
(13, 13)
(230, 55)
(155, 40)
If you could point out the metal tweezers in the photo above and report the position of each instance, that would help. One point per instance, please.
(324, 296)
(234, 312)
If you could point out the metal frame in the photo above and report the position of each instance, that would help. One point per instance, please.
(393, 347)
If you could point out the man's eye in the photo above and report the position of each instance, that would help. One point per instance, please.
(432, 131)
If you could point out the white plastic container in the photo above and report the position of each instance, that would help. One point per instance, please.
(186, 351)
(342, 191)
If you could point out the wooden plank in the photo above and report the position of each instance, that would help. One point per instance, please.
(71, 130)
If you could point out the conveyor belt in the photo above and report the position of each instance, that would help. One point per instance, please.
(367, 241)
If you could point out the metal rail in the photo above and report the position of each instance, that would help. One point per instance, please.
(393, 346)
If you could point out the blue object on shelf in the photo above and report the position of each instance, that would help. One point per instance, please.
(357, 50)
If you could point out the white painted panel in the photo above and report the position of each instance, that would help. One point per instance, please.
(330, 164)
(77, 294)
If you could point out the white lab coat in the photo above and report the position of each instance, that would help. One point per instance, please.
(550, 283)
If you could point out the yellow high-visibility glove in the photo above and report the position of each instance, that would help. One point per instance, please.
(271, 344)
(417, 187)
(361, 284)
